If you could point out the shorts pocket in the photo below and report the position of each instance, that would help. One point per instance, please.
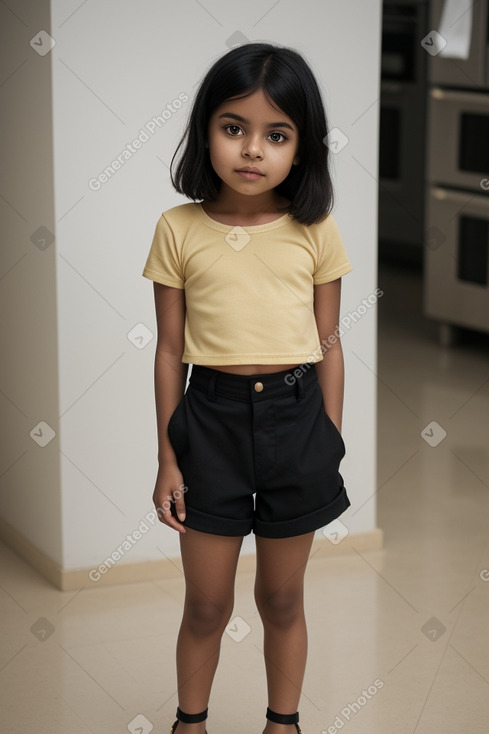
(175, 412)
(330, 423)
(335, 428)
(176, 426)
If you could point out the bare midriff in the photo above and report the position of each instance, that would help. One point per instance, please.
(252, 369)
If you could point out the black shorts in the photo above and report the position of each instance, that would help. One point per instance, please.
(268, 435)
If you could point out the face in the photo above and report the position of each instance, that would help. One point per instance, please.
(250, 133)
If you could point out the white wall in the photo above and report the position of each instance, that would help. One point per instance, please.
(30, 489)
(67, 311)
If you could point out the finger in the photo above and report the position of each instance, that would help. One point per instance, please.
(165, 515)
(168, 519)
(179, 504)
(171, 522)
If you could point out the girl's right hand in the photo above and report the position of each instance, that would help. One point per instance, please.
(169, 490)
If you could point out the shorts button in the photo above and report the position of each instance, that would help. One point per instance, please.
(258, 386)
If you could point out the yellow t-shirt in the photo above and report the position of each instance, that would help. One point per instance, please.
(248, 290)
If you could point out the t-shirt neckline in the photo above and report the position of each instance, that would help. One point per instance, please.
(221, 227)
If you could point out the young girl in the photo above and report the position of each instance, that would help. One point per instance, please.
(247, 289)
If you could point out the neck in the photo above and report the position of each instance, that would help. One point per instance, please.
(231, 202)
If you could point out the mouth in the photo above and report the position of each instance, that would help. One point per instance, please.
(250, 173)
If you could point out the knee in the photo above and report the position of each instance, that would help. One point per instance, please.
(205, 618)
(280, 609)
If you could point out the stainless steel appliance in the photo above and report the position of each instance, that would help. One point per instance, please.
(402, 129)
(456, 272)
(460, 71)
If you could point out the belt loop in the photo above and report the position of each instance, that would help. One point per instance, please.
(211, 388)
(300, 388)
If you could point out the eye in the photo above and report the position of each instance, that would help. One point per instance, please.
(281, 135)
(233, 129)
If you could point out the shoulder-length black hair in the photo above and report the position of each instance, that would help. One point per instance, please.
(288, 83)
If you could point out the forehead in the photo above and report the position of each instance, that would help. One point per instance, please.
(254, 107)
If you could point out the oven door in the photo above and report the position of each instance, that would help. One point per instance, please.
(401, 165)
(458, 138)
(472, 71)
(456, 275)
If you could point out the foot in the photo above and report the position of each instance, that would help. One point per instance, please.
(191, 728)
(272, 728)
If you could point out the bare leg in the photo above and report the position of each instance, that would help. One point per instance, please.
(279, 586)
(209, 564)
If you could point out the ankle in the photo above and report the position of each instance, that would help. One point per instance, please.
(279, 723)
(186, 723)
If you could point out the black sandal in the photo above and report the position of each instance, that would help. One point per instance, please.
(188, 718)
(284, 719)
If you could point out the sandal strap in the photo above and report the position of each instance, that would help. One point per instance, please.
(191, 718)
(282, 718)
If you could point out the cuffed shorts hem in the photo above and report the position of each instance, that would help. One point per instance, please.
(206, 523)
(306, 523)
(197, 520)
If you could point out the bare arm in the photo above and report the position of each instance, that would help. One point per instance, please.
(170, 376)
(330, 369)
(170, 373)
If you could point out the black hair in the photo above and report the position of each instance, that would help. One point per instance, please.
(288, 83)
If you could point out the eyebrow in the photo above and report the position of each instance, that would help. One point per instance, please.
(233, 116)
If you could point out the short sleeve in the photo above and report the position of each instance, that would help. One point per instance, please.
(163, 263)
(332, 259)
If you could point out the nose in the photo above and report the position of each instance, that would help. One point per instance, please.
(252, 147)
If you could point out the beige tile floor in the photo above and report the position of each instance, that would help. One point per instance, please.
(408, 623)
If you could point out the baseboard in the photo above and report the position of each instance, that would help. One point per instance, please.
(126, 573)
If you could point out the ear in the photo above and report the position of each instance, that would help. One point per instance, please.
(296, 161)
(206, 144)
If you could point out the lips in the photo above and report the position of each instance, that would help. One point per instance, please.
(250, 174)
(250, 170)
